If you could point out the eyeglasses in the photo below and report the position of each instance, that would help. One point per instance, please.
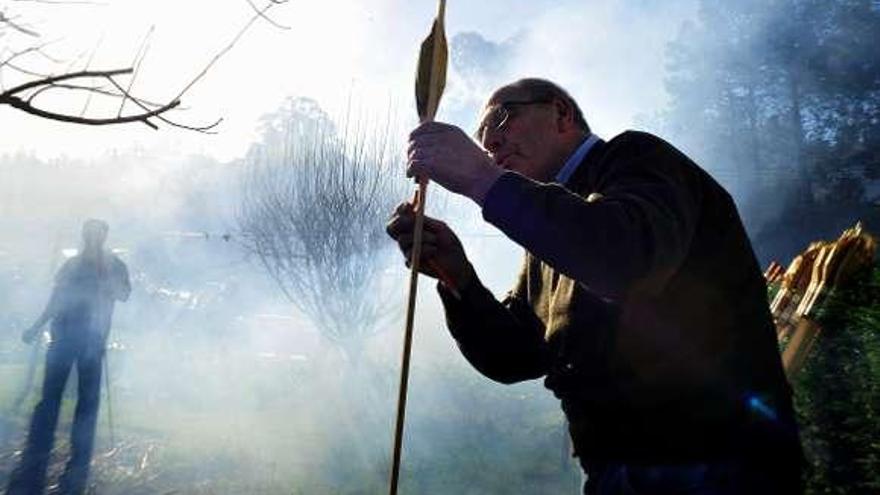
(496, 116)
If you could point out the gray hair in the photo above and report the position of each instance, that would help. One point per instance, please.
(543, 89)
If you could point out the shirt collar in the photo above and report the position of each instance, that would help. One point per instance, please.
(576, 158)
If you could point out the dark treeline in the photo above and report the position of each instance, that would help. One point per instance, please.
(780, 99)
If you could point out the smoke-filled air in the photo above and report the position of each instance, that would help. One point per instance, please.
(199, 288)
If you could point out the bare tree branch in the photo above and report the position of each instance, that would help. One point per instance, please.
(21, 53)
(9, 22)
(113, 94)
(224, 50)
(26, 71)
(11, 98)
(38, 49)
(87, 67)
(62, 2)
(142, 51)
(206, 129)
(26, 107)
(262, 13)
(144, 104)
(64, 77)
(22, 95)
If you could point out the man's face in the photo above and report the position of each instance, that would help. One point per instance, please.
(522, 133)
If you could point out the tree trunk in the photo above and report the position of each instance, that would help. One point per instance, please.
(804, 184)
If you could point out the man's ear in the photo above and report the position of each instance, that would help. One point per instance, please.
(564, 114)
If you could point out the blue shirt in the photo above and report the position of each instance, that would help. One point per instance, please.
(576, 158)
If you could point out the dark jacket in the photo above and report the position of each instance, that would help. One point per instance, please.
(644, 308)
(84, 296)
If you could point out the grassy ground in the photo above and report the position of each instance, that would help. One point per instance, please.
(321, 436)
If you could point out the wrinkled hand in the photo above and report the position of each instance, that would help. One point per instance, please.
(30, 335)
(446, 155)
(441, 249)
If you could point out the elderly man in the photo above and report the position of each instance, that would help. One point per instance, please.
(80, 308)
(639, 301)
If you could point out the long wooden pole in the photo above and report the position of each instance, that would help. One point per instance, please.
(109, 402)
(430, 82)
(408, 334)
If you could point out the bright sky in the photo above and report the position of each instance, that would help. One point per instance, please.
(608, 55)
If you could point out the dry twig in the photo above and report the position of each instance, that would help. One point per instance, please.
(22, 96)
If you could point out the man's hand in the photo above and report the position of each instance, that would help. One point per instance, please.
(30, 335)
(446, 155)
(441, 249)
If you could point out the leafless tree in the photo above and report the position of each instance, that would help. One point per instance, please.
(21, 46)
(314, 203)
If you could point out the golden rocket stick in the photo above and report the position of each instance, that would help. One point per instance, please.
(430, 82)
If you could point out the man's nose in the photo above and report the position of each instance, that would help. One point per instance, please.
(493, 139)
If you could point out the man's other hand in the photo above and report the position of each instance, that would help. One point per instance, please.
(441, 249)
(446, 155)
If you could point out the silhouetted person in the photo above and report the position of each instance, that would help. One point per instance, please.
(640, 301)
(80, 308)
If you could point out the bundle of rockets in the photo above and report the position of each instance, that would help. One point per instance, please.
(805, 286)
